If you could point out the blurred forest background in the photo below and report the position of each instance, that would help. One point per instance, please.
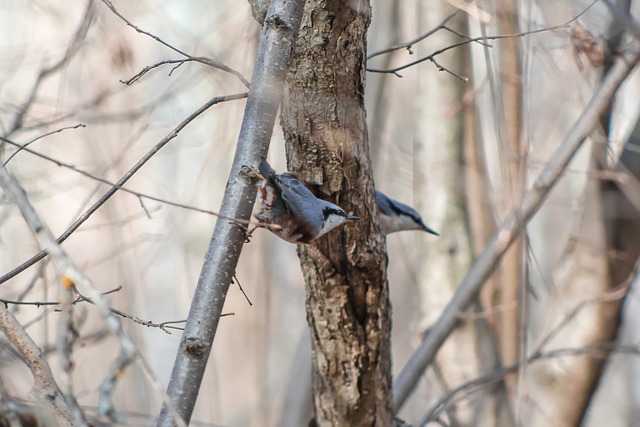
(460, 138)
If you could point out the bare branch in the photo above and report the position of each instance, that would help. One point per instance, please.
(274, 52)
(87, 214)
(163, 326)
(71, 277)
(206, 61)
(138, 194)
(105, 181)
(44, 386)
(410, 43)
(21, 147)
(512, 227)
(468, 40)
(538, 353)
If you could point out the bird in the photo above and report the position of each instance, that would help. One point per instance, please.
(299, 216)
(396, 216)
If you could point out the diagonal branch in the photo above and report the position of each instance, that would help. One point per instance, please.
(118, 185)
(274, 53)
(511, 228)
(207, 61)
(72, 277)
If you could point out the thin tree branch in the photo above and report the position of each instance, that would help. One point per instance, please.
(267, 84)
(72, 277)
(538, 354)
(600, 350)
(207, 61)
(410, 43)
(511, 228)
(22, 147)
(44, 384)
(201, 59)
(432, 56)
(87, 214)
(163, 326)
(105, 181)
(138, 194)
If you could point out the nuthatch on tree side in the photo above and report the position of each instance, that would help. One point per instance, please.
(300, 216)
(396, 216)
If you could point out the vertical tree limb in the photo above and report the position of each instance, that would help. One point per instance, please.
(276, 46)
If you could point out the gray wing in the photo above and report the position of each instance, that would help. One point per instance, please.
(384, 204)
(300, 201)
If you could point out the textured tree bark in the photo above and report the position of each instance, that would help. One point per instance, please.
(348, 311)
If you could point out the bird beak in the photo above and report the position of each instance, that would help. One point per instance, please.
(352, 218)
(429, 230)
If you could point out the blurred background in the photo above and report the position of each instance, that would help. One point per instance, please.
(460, 138)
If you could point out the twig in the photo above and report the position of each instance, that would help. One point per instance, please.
(474, 40)
(87, 214)
(442, 68)
(105, 181)
(163, 326)
(21, 147)
(511, 227)
(235, 279)
(207, 61)
(410, 43)
(201, 59)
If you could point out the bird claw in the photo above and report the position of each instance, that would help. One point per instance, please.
(248, 233)
(251, 174)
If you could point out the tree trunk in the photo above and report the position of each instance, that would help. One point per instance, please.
(348, 311)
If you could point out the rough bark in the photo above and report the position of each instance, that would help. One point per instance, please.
(348, 311)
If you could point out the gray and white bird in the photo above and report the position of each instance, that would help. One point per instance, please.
(396, 216)
(300, 216)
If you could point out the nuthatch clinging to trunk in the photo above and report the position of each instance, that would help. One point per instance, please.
(301, 217)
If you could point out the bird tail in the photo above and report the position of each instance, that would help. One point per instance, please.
(265, 169)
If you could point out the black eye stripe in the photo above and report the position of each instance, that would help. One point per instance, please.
(405, 212)
(329, 211)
